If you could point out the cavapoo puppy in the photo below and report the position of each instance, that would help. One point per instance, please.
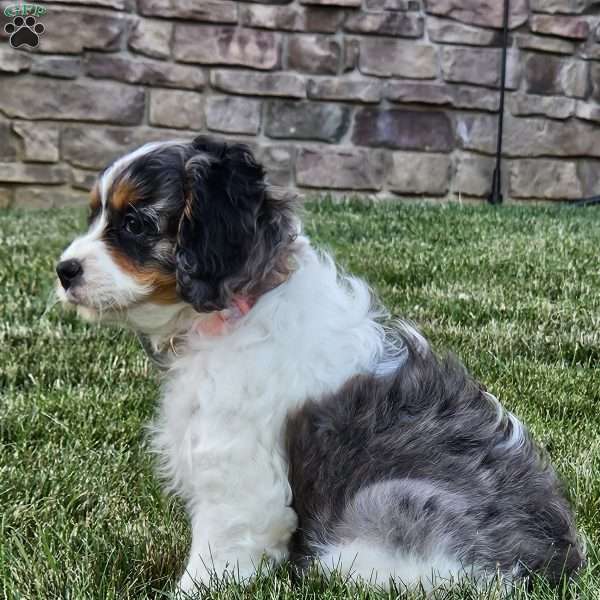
(291, 422)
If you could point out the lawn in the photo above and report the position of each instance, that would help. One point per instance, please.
(514, 291)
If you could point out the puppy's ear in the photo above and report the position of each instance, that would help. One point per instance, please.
(231, 231)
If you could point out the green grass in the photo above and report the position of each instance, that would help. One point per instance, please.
(515, 292)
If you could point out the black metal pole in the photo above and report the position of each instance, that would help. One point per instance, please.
(495, 196)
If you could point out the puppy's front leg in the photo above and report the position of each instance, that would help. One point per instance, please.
(241, 515)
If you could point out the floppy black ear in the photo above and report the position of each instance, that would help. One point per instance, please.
(231, 231)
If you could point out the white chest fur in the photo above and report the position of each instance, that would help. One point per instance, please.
(220, 427)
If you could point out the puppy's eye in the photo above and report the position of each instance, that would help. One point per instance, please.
(133, 224)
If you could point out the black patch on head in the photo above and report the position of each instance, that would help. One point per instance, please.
(419, 462)
(209, 200)
(156, 181)
(233, 234)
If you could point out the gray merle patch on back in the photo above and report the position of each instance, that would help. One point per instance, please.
(423, 459)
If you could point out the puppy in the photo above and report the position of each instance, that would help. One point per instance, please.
(291, 423)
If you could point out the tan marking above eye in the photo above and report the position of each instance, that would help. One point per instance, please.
(122, 194)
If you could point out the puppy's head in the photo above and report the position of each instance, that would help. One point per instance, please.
(174, 223)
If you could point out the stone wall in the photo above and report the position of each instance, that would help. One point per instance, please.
(382, 97)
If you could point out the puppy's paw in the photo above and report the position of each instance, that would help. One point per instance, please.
(192, 585)
(198, 577)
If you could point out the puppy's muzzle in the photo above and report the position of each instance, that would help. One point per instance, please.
(68, 272)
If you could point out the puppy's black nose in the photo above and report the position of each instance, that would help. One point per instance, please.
(68, 271)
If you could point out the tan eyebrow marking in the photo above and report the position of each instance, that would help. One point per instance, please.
(123, 193)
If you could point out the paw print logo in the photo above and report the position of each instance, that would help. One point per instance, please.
(24, 32)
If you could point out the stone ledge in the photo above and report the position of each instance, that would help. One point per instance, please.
(318, 19)
(233, 115)
(595, 79)
(177, 109)
(406, 174)
(226, 45)
(443, 94)
(152, 38)
(447, 31)
(14, 61)
(62, 67)
(340, 88)
(529, 137)
(73, 30)
(113, 4)
(10, 143)
(144, 71)
(589, 175)
(400, 5)
(345, 3)
(488, 13)
(473, 175)
(588, 112)
(395, 24)
(391, 58)
(568, 7)
(340, 168)
(549, 75)
(40, 141)
(543, 178)
(545, 44)
(48, 197)
(93, 147)
(255, 83)
(7, 197)
(315, 54)
(33, 173)
(566, 27)
(72, 101)
(555, 107)
(304, 120)
(479, 66)
(429, 131)
(213, 11)
(301, 81)
(279, 161)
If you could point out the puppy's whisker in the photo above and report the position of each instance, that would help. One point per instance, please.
(52, 300)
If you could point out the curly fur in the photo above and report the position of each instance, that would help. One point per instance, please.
(234, 235)
(306, 429)
(424, 463)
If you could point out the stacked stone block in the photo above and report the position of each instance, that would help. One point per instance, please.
(389, 98)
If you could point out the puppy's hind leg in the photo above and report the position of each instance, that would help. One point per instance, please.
(402, 529)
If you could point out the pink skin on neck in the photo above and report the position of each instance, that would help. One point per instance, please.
(220, 323)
